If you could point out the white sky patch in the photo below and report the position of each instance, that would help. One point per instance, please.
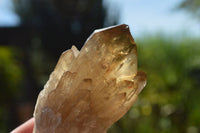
(7, 16)
(152, 16)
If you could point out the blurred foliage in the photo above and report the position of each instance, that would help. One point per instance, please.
(11, 72)
(193, 6)
(77, 13)
(170, 101)
(58, 23)
(11, 76)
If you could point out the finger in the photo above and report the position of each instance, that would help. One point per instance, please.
(26, 127)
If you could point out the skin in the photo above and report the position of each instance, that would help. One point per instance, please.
(26, 127)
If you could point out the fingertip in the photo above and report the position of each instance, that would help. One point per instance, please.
(26, 127)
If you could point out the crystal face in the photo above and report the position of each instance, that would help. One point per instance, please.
(90, 90)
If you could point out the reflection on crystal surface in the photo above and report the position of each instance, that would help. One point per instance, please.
(90, 90)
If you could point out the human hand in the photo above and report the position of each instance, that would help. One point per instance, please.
(26, 127)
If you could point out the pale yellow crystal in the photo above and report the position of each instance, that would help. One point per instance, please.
(90, 90)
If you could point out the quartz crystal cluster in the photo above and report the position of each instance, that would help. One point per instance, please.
(91, 89)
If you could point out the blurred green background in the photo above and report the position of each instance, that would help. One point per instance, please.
(28, 53)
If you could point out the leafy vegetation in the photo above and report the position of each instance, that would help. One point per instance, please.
(192, 6)
(11, 76)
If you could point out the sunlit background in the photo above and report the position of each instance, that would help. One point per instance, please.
(33, 34)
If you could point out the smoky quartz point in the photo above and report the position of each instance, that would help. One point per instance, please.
(92, 88)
